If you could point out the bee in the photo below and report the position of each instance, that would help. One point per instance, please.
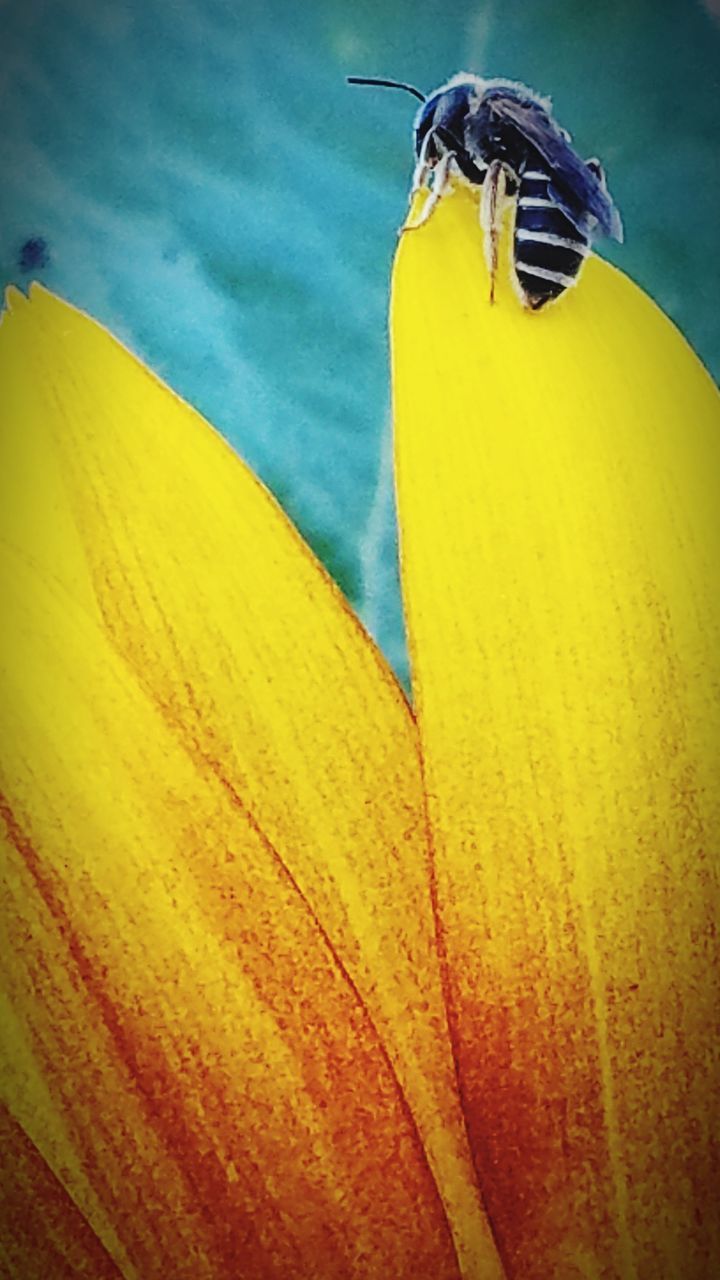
(500, 136)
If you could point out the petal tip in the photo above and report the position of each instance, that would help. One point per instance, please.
(14, 299)
(37, 290)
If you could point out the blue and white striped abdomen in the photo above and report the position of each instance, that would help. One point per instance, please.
(548, 249)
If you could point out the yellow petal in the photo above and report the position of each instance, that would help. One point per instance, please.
(558, 502)
(222, 1099)
(220, 781)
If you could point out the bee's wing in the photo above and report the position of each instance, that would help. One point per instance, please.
(575, 187)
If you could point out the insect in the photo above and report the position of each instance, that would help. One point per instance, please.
(500, 136)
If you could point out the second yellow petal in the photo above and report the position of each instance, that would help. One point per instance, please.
(154, 531)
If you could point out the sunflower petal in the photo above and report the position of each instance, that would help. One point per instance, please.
(557, 485)
(216, 822)
(223, 1096)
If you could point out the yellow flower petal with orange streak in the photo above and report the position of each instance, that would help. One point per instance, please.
(558, 501)
(223, 781)
(224, 1100)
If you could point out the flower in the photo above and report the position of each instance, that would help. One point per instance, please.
(300, 985)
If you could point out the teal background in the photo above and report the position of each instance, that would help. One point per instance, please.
(210, 189)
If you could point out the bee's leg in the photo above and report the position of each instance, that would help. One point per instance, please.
(491, 208)
(419, 178)
(422, 168)
(439, 187)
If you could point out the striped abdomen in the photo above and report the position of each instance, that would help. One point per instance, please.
(548, 249)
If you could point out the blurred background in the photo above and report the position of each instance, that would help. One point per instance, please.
(196, 175)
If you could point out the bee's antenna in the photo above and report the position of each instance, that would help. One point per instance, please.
(388, 84)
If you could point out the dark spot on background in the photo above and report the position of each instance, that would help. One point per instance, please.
(33, 254)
